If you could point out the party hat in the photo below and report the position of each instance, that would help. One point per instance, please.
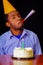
(7, 7)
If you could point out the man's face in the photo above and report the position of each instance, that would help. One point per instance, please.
(14, 20)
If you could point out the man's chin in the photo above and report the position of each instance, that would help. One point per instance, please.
(19, 28)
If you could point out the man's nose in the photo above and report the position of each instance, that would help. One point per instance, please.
(20, 18)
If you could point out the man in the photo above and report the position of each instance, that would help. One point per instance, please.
(13, 38)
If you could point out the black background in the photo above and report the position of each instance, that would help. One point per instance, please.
(34, 22)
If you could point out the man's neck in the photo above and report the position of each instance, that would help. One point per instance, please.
(16, 32)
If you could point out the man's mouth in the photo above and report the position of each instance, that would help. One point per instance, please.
(19, 21)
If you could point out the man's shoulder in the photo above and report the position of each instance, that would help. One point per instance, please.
(4, 34)
(29, 32)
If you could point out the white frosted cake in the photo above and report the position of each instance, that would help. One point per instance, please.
(23, 52)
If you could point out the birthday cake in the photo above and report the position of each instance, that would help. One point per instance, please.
(23, 53)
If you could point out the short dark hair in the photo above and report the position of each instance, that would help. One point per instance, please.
(6, 17)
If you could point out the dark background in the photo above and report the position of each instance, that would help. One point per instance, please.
(33, 23)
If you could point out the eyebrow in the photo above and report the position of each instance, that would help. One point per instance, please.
(16, 13)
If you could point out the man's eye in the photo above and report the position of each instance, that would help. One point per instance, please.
(19, 15)
(13, 17)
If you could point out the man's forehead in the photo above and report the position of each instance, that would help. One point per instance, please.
(14, 13)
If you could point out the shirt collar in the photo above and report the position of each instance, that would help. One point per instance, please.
(23, 33)
(10, 35)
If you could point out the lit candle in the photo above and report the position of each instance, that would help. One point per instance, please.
(22, 43)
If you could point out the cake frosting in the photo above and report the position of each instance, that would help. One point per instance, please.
(23, 52)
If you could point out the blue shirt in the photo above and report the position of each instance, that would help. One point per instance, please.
(8, 42)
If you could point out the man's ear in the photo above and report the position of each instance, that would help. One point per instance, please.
(7, 24)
